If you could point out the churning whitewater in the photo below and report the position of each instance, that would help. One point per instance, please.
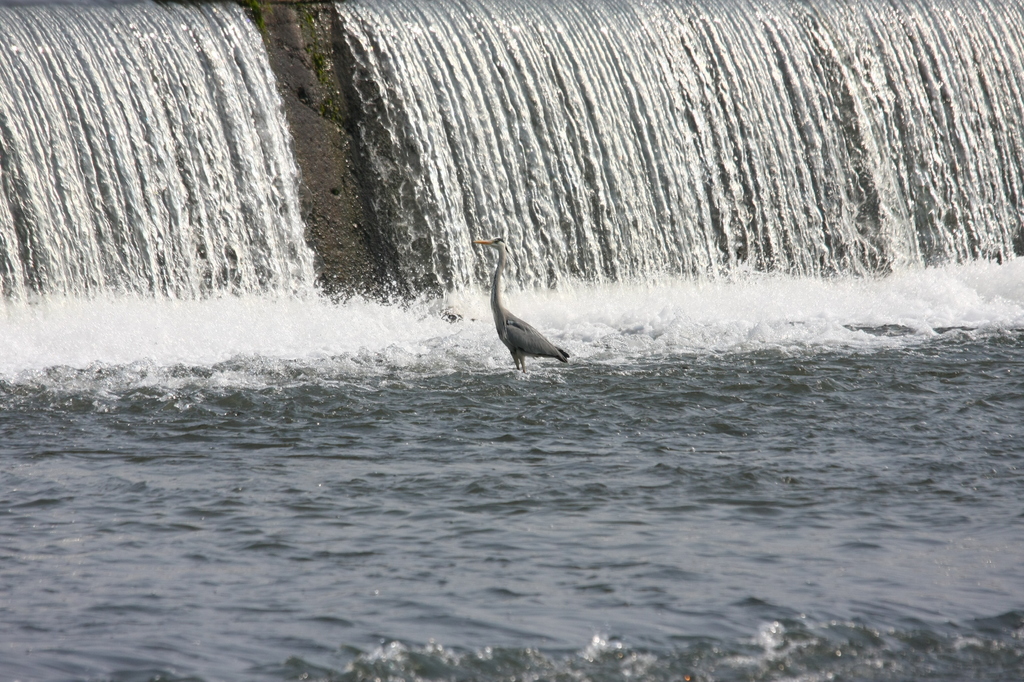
(610, 324)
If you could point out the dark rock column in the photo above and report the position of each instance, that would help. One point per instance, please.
(339, 227)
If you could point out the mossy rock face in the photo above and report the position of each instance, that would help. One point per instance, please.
(256, 12)
(302, 42)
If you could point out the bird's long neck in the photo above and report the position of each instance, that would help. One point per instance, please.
(496, 303)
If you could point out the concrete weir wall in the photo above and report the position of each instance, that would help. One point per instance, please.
(303, 40)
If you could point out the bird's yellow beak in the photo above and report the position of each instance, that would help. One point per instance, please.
(486, 242)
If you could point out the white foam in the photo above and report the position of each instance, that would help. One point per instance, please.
(597, 323)
(754, 310)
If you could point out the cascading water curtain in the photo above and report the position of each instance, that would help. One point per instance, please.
(621, 140)
(143, 149)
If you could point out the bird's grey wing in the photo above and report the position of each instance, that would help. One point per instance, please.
(523, 336)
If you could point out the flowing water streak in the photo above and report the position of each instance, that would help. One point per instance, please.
(608, 140)
(143, 149)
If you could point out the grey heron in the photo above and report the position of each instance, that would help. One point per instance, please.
(522, 339)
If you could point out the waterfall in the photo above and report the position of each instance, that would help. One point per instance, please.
(143, 150)
(614, 140)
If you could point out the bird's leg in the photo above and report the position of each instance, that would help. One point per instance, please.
(520, 360)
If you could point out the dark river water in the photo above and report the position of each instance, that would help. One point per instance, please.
(757, 479)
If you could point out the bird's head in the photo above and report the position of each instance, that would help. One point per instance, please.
(501, 245)
(497, 243)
